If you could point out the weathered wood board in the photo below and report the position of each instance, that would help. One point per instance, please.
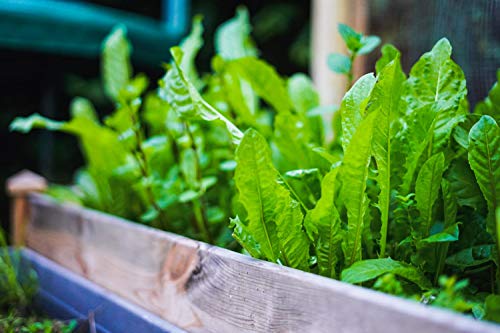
(203, 288)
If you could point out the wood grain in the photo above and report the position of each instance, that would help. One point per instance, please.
(203, 288)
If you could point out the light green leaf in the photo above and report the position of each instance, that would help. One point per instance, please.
(356, 42)
(427, 190)
(292, 139)
(26, 124)
(389, 53)
(354, 177)
(244, 237)
(354, 105)
(294, 244)
(491, 105)
(303, 95)
(484, 159)
(351, 38)
(189, 195)
(274, 219)
(82, 107)
(264, 80)
(435, 77)
(232, 38)
(339, 63)
(63, 193)
(369, 43)
(261, 195)
(384, 101)
(324, 225)
(435, 93)
(190, 46)
(188, 165)
(102, 150)
(181, 94)
(326, 155)
(115, 65)
(370, 269)
(305, 99)
(240, 96)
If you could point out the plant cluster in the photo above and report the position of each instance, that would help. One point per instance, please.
(18, 285)
(406, 193)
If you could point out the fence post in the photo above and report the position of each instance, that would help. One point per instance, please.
(18, 187)
(326, 15)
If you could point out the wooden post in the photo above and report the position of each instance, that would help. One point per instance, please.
(326, 15)
(18, 187)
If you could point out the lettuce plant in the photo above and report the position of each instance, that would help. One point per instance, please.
(405, 195)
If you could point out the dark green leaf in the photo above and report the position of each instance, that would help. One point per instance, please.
(492, 308)
(450, 234)
(472, 256)
(427, 190)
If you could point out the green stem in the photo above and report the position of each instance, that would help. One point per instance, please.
(198, 206)
(141, 159)
(442, 250)
(350, 75)
(201, 222)
(290, 188)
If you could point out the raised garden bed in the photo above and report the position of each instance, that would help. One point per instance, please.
(204, 288)
(67, 296)
(403, 201)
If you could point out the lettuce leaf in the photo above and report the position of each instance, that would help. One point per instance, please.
(354, 176)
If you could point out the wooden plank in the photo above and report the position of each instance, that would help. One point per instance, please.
(64, 295)
(203, 288)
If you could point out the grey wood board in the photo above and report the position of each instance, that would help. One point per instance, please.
(204, 288)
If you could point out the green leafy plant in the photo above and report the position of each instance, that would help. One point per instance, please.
(406, 196)
(357, 44)
(18, 285)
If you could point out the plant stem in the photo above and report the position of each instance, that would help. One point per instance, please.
(199, 213)
(350, 75)
(198, 206)
(290, 188)
(442, 250)
(141, 159)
